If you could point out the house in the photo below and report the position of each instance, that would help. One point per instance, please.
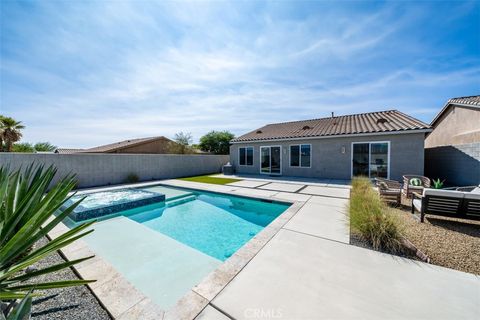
(67, 150)
(377, 144)
(152, 145)
(453, 147)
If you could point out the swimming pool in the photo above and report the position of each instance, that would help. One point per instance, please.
(216, 225)
(166, 248)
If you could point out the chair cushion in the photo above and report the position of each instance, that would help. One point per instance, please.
(417, 203)
(476, 190)
(472, 195)
(443, 193)
(416, 182)
(391, 191)
(382, 185)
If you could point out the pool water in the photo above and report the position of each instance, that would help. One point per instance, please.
(166, 248)
(216, 225)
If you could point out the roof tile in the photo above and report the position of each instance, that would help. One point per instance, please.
(340, 125)
(122, 144)
(472, 100)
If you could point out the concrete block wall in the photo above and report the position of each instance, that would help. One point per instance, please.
(109, 169)
(459, 165)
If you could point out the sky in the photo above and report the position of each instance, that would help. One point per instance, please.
(85, 73)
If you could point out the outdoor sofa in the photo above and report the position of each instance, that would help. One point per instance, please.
(448, 203)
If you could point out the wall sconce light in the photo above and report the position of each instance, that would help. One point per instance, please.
(343, 150)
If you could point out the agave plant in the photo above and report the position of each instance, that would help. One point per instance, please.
(28, 211)
(438, 184)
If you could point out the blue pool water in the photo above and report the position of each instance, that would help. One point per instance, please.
(217, 225)
(166, 248)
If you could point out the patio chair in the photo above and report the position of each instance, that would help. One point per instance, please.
(448, 203)
(390, 190)
(413, 183)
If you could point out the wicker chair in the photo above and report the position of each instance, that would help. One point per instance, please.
(408, 189)
(390, 190)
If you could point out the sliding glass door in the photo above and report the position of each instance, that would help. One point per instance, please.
(271, 160)
(265, 160)
(360, 159)
(370, 159)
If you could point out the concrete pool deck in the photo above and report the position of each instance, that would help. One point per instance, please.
(303, 267)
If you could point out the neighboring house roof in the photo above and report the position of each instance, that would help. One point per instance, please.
(122, 144)
(469, 102)
(364, 123)
(67, 150)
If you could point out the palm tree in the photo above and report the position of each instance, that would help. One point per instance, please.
(10, 131)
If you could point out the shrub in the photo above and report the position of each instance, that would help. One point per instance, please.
(132, 178)
(44, 147)
(28, 211)
(373, 219)
(23, 147)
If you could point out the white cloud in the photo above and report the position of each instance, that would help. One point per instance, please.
(109, 71)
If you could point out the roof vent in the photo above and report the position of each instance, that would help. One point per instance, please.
(306, 128)
(259, 131)
(382, 121)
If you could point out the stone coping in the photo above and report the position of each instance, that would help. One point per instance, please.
(123, 301)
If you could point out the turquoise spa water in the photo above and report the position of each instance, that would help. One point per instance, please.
(165, 249)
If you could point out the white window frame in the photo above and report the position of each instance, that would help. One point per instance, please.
(281, 160)
(369, 155)
(299, 156)
(253, 156)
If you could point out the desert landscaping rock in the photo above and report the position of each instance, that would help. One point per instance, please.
(76, 303)
(451, 243)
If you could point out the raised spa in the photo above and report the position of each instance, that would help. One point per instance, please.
(104, 203)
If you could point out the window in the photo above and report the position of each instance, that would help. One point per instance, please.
(305, 155)
(300, 155)
(245, 156)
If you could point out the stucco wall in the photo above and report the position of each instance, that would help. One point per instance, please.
(406, 156)
(458, 125)
(459, 165)
(104, 169)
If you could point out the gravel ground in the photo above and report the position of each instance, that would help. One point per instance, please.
(69, 303)
(448, 242)
(452, 243)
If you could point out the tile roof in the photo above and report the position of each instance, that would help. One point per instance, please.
(67, 150)
(468, 102)
(372, 122)
(122, 144)
(471, 100)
